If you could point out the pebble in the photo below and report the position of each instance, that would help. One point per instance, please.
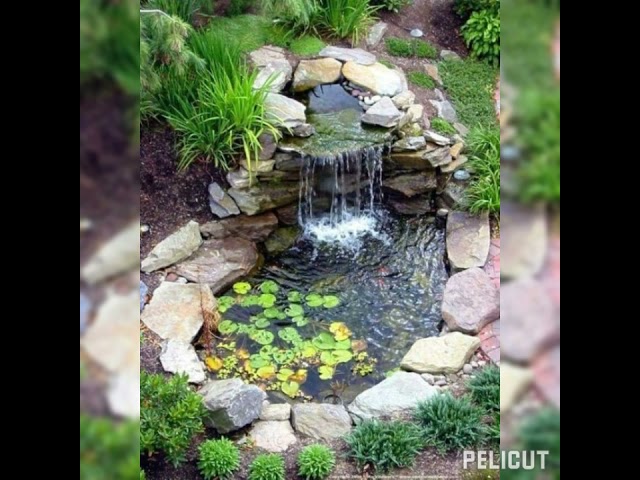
(430, 379)
(144, 228)
(369, 101)
(462, 175)
(443, 213)
(417, 33)
(172, 277)
(510, 153)
(356, 93)
(361, 98)
(475, 364)
(441, 383)
(85, 225)
(85, 310)
(468, 369)
(376, 98)
(482, 363)
(182, 281)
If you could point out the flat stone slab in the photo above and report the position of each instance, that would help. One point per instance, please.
(174, 248)
(255, 229)
(412, 185)
(534, 323)
(312, 73)
(232, 404)
(219, 263)
(221, 204)
(514, 382)
(383, 114)
(376, 34)
(376, 78)
(284, 111)
(273, 436)
(355, 55)
(395, 396)
(176, 311)
(525, 233)
(468, 240)
(471, 301)
(441, 355)
(263, 197)
(181, 358)
(276, 412)
(119, 255)
(321, 421)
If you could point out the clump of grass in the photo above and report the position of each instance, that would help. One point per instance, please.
(483, 194)
(421, 79)
(385, 446)
(399, 47)
(218, 459)
(471, 85)
(306, 46)
(347, 19)
(249, 31)
(450, 424)
(485, 387)
(267, 467)
(316, 462)
(440, 125)
(387, 63)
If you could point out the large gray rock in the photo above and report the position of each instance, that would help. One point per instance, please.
(266, 55)
(455, 165)
(177, 311)
(274, 437)
(264, 197)
(285, 112)
(410, 161)
(441, 355)
(239, 178)
(383, 114)
(453, 195)
(376, 78)
(410, 144)
(220, 263)
(468, 240)
(471, 301)
(277, 412)
(273, 66)
(123, 395)
(321, 421)
(181, 358)
(221, 204)
(258, 166)
(404, 100)
(445, 110)
(436, 138)
(282, 240)
(174, 248)
(256, 229)
(356, 55)
(396, 396)
(311, 73)
(439, 157)
(232, 404)
(119, 255)
(449, 55)
(524, 239)
(412, 184)
(532, 319)
(376, 34)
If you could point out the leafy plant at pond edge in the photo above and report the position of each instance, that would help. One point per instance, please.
(440, 125)
(485, 389)
(482, 35)
(219, 459)
(265, 341)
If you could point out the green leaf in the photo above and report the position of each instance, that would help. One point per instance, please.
(227, 327)
(225, 303)
(269, 287)
(271, 313)
(314, 300)
(330, 301)
(284, 357)
(290, 335)
(257, 361)
(301, 321)
(267, 300)
(324, 341)
(326, 372)
(263, 337)
(294, 297)
(263, 323)
(285, 374)
(294, 310)
(291, 389)
(242, 288)
(343, 345)
(328, 359)
(343, 356)
(250, 301)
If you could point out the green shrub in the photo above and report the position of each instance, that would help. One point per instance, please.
(481, 33)
(450, 424)
(483, 195)
(238, 7)
(471, 86)
(542, 433)
(440, 125)
(485, 387)
(267, 467)
(184, 9)
(347, 19)
(399, 47)
(295, 15)
(421, 79)
(108, 449)
(465, 8)
(171, 414)
(306, 46)
(538, 134)
(250, 32)
(316, 462)
(219, 459)
(385, 446)
(392, 5)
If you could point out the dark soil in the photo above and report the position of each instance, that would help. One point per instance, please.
(169, 199)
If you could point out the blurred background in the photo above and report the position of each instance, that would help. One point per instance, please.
(530, 230)
(109, 239)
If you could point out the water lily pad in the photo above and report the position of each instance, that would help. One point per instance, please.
(329, 359)
(214, 364)
(246, 329)
(248, 367)
(272, 313)
(294, 297)
(324, 341)
(262, 323)
(263, 337)
(243, 354)
(308, 351)
(343, 356)
(343, 345)
(250, 301)
(330, 302)
(285, 374)
(284, 357)
(267, 373)
(227, 327)
(294, 310)
(225, 303)
(291, 389)
(301, 321)
(340, 331)
(314, 300)
(290, 335)
(300, 376)
(267, 300)
(269, 287)
(242, 288)
(268, 350)
(326, 372)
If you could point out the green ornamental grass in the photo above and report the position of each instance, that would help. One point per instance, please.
(316, 462)
(483, 194)
(485, 389)
(219, 459)
(306, 46)
(440, 125)
(422, 80)
(399, 47)
(267, 467)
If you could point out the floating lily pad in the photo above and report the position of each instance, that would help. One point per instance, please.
(263, 337)
(295, 297)
(257, 361)
(343, 356)
(290, 335)
(214, 364)
(284, 357)
(285, 374)
(340, 331)
(309, 351)
(267, 373)
(250, 301)
(343, 345)
(291, 389)
(329, 359)
(314, 300)
(262, 323)
(324, 341)
(242, 288)
(225, 303)
(271, 313)
(326, 372)
(330, 302)
(300, 376)
(301, 321)
(270, 287)
(227, 327)
(267, 300)
(294, 310)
